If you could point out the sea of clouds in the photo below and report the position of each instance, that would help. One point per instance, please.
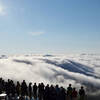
(77, 69)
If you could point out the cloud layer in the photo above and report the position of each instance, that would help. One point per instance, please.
(54, 69)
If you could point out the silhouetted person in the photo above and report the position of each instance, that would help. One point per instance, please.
(35, 91)
(3, 85)
(47, 93)
(62, 94)
(0, 85)
(24, 88)
(82, 93)
(8, 87)
(57, 92)
(69, 92)
(74, 94)
(30, 90)
(52, 93)
(13, 88)
(18, 88)
(22, 92)
(41, 91)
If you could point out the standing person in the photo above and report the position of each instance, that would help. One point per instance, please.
(0, 85)
(57, 92)
(74, 94)
(47, 93)
(13, 88)
(41, 91)
(24, 88)
(8, 87)
(30, 90)
(62, 94)
(18, 88)
(69, 92)
(35, 91)
(82, 93)
(52, 93)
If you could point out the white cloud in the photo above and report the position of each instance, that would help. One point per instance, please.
(36, 33)
(2, 11)
(34, 68)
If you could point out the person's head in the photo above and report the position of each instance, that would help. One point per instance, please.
(17, 82)
(34, 83)
(57, 86)
(23, 80)
(30, 83)
(70, 85)
(82, 87)
(51, 86)
(47, 85)
(74, 89)
(42, 83)
(61, 87)
(0, 79)
(8, 80)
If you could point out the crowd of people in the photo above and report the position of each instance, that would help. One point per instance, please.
(22, 91)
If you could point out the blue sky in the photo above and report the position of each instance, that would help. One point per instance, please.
(49, 26)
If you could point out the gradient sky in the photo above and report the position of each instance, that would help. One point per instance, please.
(49, 26)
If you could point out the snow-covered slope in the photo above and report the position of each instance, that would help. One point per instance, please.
(80, 69)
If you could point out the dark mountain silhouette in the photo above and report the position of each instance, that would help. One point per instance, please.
(23, 61)
(73, 67)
